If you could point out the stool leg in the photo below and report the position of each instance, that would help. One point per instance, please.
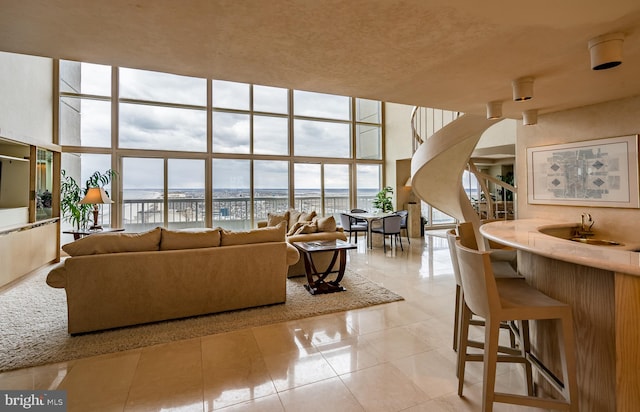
(491, 338)
(525, 347)
(463, 340)
(456, 319)
(568, 358)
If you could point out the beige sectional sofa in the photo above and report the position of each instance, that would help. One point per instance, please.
(121, 279)
(307, 227)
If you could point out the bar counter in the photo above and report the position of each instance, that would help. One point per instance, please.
(602, 285)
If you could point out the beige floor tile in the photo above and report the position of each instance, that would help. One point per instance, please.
(292, 369)
(395, 343)
(430, 371)
(283, 337)
(173, 370)
(350, 355)
(383, 388)
(233, 369)
(327, 329)
(267, 404)
(101, 383)
(327, 395)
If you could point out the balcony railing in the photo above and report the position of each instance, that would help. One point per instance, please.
(229, 213)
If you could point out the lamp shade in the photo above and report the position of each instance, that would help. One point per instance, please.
(96, 195)
(529, 117)
(494, 110)
(522, 89)
(606, 51)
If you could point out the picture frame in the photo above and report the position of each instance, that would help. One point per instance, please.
(600, 173)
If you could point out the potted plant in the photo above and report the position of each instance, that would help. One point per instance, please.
(382, 201)
(71, 194)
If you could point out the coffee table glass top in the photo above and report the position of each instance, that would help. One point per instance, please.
(321, 245)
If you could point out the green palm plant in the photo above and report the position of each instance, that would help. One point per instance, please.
(382, 201)
(71, 194)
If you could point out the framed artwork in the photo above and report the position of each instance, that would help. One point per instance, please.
(601, 172)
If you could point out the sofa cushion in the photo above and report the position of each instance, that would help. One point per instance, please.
(189, 239)
(326, 224)
(307, 217)
(273, 219)
(262, 235)
(117, 242)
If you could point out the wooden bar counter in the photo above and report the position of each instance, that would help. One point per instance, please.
(602, 284)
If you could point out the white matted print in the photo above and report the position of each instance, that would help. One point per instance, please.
(601, 172)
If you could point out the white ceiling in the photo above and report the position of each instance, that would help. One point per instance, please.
(449, 54)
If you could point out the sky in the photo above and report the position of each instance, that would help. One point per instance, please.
(160, 127)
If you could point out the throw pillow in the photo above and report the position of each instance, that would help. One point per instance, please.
(307, 227)
(262, 235)
(118, 242)
(189, 239)
(307, 217)
(273, 219)
(294, 217)
(326, 224)
(293, 229)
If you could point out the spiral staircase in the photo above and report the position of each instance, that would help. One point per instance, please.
(439, 161)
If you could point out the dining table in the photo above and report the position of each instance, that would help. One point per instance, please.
(370, 217)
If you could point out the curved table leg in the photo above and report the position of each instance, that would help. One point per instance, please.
(319, 286)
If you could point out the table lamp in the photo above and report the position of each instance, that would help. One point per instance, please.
(95, 196)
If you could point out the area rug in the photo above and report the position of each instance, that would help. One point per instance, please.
(33, 321)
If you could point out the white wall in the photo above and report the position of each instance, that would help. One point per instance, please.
(610, 119)
(26, 98)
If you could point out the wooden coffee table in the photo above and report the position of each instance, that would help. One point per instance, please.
(316, 281)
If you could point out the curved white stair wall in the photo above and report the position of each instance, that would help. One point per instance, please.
(438, 164)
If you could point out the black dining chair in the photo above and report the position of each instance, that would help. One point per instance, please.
(390, 226)
(360, 221)
(350, 225)
(403, 225)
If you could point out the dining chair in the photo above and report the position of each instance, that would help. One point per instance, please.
(350, 225)
(390, 226)
(360, 221)
(498, 300)
(403, 224)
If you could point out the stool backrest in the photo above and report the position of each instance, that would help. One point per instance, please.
(478, 281)
(467, 235)
(451, 238)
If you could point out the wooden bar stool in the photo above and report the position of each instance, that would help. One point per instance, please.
(498, 300)
(501, 269)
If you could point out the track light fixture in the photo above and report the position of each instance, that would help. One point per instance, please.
(606, 51)
(494, 110)
(530, 117)
(522, 89)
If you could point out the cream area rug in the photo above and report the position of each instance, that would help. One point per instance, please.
(33, 320)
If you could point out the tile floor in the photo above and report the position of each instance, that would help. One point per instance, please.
(392, 357)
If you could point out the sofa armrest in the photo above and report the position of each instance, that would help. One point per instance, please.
(293, 255)
(57, 277)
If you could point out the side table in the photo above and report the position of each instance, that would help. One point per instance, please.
(319, 285)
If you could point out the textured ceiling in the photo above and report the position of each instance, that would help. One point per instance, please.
(449, 54)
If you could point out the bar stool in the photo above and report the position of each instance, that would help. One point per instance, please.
(501, 269)
(498, 300)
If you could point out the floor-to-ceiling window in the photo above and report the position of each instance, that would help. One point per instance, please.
(194, 152)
